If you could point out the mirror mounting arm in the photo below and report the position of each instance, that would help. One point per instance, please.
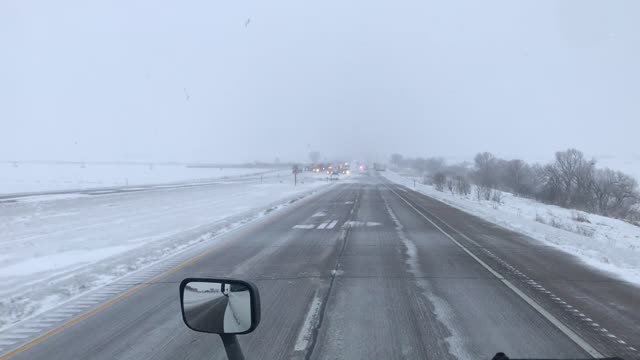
(232, 346)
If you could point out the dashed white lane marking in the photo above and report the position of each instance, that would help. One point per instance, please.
(323, 225)
(332, 224)
(319, 214)
(7, 342)
(307, 227)
(353, 224)
(550, 317)
(534, 285)
(309, 324)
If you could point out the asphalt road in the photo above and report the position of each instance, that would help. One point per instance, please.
(374, 270)
(200, 315)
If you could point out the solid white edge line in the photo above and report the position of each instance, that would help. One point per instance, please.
(557, 323)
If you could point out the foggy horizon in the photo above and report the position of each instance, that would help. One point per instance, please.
(236, 83)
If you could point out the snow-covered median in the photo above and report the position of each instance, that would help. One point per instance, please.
(605, 243)
(43, 177)
(55, 249)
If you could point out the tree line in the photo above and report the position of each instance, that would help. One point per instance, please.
(571, 181)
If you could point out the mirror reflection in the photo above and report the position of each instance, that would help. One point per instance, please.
(215, 307)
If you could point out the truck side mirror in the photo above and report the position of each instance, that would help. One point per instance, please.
(220, 306)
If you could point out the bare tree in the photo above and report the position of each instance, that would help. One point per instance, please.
(439, 180)
(462, 185)
(450, 185)
(552, 187)
(485, 169)
(570, 181)
(624, 194)
(603, 188)
(517, 177)
(569, 164)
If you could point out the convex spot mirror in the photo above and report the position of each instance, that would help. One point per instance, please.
(220, 306)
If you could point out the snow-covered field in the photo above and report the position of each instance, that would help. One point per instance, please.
(608, 244)
(53, 248)
(40, 177)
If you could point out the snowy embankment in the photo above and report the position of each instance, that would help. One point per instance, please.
(43, 177)
(56, 248)
(605, 243)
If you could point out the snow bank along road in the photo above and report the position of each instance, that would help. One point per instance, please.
(53, 247)
(367, 269)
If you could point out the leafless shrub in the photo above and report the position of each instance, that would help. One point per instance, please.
(462, 185)
(584, 231)
(496, 197)
(485, 173)
(450, 185)
(558, 224)
(487, 192)
(571, 181)
(580, 217)
(439, 180)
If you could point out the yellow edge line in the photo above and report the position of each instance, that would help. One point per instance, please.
(130, 292)
(86, 315)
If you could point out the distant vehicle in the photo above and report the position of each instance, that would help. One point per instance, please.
(346, 168)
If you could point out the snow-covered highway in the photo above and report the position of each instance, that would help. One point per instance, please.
(399, 275)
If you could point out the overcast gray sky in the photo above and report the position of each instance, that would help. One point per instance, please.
(192, 81)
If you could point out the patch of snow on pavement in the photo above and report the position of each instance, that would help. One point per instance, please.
(444, 314)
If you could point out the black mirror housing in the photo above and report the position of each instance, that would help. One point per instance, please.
(220, 306)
